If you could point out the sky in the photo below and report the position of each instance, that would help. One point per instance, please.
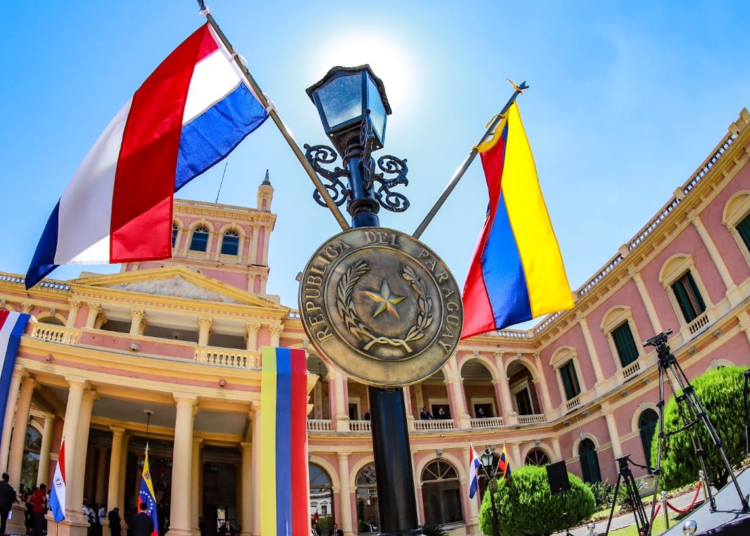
(626, 100)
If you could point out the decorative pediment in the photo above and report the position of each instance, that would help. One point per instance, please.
(175, 287)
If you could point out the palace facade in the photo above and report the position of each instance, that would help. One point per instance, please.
(181, 338)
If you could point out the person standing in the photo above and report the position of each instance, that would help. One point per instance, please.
(39, 503)
(7, 498)
(141, 523)
(226, 529)
(336, 531)
(425, 415)
(441, 413)
(114, 522)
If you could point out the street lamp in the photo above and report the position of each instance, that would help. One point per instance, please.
(354, 110)
(490, 469)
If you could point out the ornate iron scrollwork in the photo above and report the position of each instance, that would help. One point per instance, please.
(322, 154)
(393, 201)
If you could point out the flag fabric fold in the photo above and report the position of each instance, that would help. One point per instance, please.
(517, 271)
(12, 326)
(283, 443)
(190, 113)
(59, 488)
(474, 467)
(503, 464)
(146, 495)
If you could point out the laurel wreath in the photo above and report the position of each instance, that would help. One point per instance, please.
(345, 308)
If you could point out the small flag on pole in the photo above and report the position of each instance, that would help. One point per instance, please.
(503, 464)
(517, 271)
(189, 114)
(59, 491)
(474, 467)
(284, 502)
(146, 495)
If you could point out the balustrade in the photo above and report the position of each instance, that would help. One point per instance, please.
(319, 425)
(359, 426)
(531, 419)
(487, 422)
(51, 333)
(573, 403)
(438, 424)
(698, 324)
(227, 357)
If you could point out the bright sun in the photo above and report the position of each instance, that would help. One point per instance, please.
(390, 62)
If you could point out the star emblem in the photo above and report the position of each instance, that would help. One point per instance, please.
(386, 300)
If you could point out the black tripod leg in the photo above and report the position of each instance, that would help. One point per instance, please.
(614, 503)
(660, 444)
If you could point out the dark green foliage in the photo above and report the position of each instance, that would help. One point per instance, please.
(603, 494)
(525, 506)
(720, 390)
(433, 530)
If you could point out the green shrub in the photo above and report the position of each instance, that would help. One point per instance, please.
(720, 390)
(525, 506)
(603, 494)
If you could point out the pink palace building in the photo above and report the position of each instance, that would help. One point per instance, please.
(181, 338)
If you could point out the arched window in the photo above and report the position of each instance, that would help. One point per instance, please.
(321, 498)
(200, 239)
(589, 461)
(367, 501)
(441, 494)
(175, 230)
(30, 465)
(230, 243)
(647, 426)
(688, 297)
(537, 457)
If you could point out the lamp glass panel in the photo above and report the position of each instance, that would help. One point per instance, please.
(377, 110)
(341, 99)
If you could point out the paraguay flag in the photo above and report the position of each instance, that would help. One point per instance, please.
(474, 467)
(188, 115)
(517, 271)
(146, 495)
(284, 480)
(58, 492)
(12, 325)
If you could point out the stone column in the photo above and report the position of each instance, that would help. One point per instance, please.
(81, 449)
(507, 404)
(515, 450)
(183, 443)
(251, 334)
(646, 299)
(556, 448)
(543, 382)
(114, 486)
(15, 385)
(204, 332)
(614, 435)
(94, 310)
(137, 321)
(101, 477)
(345, 495)
(255, 486)
(75, 305)
(27, 307)
(342, 415)
(195, 487)
(275, 334)
(70, 435)
(461, 415)
(732, 291)
(123, 470)
(42, 476)
(246, 509)
(591, 351)
(20, 425)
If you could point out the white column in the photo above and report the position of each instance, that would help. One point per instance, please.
(256, 491)
(183, 445)
(137, 321)
(115, 462)
(342, 415)
(94, 310)
(10, 412)
(507, 404)
(70, 435)
(101, 476)
(459, 400)
(20, 424)
(276, 334)
(614, 435)
(732, 291)
(42, 476)
(556, 448)
(75, 305)
(591, 349)
(204, 332)
(195, 487)
(543, 382)
(246, 509)
(252, 335)
(81, 450)
(345, 495)
(646, 299)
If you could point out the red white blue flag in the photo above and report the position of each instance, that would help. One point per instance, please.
(59, 489)
(189, 114)
(474, 466)
(12, 326)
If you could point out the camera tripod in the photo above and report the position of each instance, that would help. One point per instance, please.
(642, 521)
(691, 411)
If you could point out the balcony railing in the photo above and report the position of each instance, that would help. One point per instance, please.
(573, 403)
(631, 370)
(49, 332)
(487, 422)
(698, 324)
(431, 425)
(359, 426)
(227, 357)
(319, 425)
(531, 419)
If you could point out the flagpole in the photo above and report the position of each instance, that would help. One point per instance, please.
(467, 162)
(206, 12)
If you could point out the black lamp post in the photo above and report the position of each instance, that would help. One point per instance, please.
(490, 469)
(353, 108)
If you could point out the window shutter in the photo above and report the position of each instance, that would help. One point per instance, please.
(625, 344)
(696, 294)
(683, 301)
(744, 229)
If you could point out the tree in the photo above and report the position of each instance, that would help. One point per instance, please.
(720, 390)
(526, 507)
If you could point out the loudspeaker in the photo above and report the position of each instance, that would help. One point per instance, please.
(557, 474)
